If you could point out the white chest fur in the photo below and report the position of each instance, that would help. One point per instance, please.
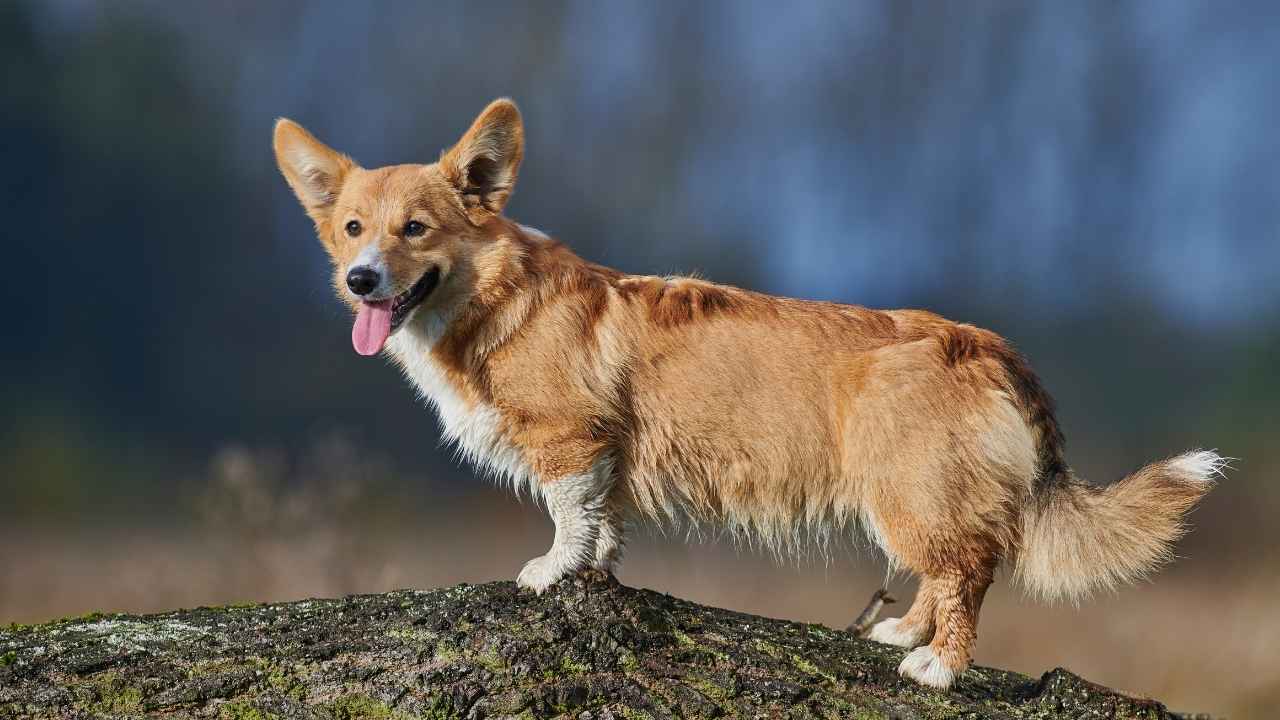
(474, 428)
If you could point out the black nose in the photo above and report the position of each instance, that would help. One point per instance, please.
(363, 279)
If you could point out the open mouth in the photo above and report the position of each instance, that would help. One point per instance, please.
(376, 320)
(405, 302)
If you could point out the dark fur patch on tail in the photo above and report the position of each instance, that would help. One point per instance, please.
(960, 344)
(1039, 407)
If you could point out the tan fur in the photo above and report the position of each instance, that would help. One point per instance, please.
(784, 421)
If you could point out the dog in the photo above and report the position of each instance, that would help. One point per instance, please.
(616, 397)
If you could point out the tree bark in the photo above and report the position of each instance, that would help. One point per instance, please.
(590, 649)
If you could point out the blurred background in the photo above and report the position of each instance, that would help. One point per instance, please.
(184, 421)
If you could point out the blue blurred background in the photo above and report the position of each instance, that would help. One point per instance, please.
(184, 420)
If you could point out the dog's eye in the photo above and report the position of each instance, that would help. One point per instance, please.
(354, 228)
(413, 228)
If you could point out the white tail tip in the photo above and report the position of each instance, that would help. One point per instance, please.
(1200, 466)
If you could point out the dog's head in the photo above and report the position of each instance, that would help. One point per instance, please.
(403, 237)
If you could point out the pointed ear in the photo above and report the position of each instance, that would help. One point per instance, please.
(314, 170)
(483, 165)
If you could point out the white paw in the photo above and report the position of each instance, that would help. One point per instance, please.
(540, 573)
(889, 633)
(926, 668)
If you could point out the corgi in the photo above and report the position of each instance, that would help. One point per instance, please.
(616, 397)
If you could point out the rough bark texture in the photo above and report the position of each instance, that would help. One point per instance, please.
(591, 649)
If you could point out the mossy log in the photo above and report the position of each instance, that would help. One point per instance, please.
(590, 649)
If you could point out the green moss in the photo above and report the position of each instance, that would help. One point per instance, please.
(17, 627)
(446, 653)
(838, 707)
(8, 658)
(808, 667)
(241, 710)
(111, 694)
(362, 707)
(221, 665)
(441, 708)
(627, 661)
(86, 617)
(821, 631)
(491, 660)
(863, 714)
(767, 648)
(411, 634)
(573, 667)
(701, 645)
(285, 681)
(683, 638)
(710, 689)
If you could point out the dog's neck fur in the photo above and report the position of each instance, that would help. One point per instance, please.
(442, 350)
(517, 272)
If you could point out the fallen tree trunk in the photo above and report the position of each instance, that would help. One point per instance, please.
(590, 650)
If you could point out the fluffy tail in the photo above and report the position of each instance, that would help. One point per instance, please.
(1077, 539)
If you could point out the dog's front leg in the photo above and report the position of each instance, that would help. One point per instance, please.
(577, 505)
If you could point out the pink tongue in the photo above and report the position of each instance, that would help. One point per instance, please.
(373, 325)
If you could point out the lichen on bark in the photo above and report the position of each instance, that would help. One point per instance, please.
(590, 649)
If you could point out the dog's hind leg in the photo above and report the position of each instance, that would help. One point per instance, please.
(959, 598)
(916, 627)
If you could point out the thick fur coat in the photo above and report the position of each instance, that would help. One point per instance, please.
(614, 397)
